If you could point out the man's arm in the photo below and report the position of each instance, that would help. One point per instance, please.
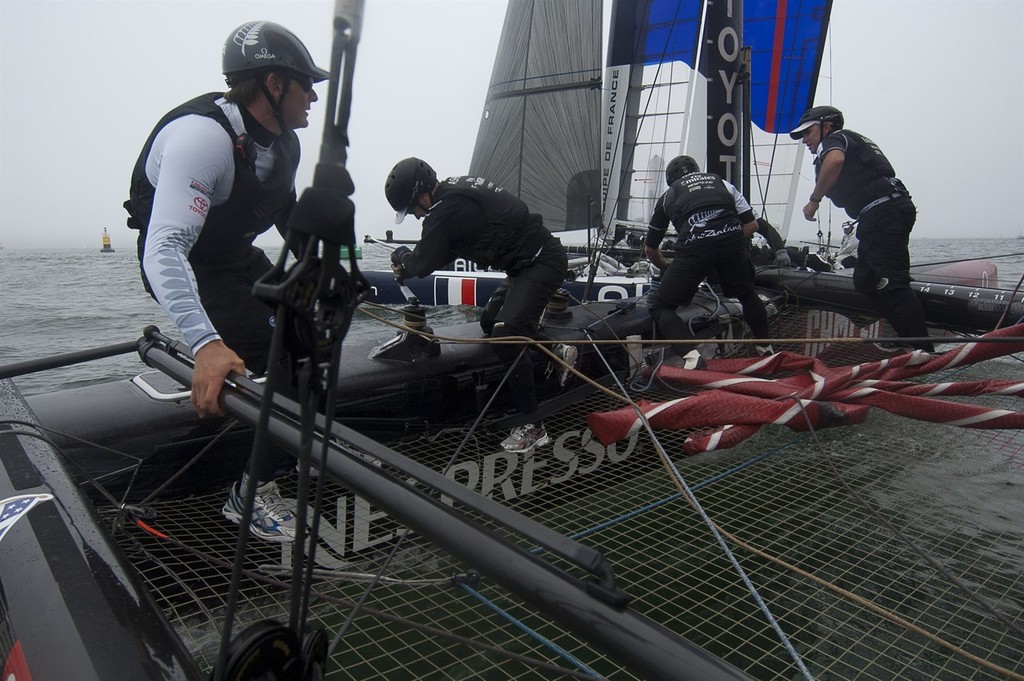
(450, 222)
(214, 361)
(656, 232)
(831, 166)
(656, 257)
(192, 167)
(770, 234)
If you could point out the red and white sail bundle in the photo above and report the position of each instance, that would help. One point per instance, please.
(742, 395)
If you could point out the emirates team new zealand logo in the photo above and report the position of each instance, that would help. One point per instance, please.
(248, 35)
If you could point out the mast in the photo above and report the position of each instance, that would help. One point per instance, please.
(723, 69)
(745, 131)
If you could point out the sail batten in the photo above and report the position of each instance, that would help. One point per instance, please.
(591, 83)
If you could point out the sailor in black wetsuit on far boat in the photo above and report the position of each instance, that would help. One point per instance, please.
(714, 224)
(473, 218)
(853, 172)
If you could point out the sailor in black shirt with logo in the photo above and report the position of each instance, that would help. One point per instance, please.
(714, 224)
(853, 172)
(473, 218)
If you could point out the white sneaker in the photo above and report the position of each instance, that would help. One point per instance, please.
(569, 354)
(272, 519)
(764, 350)
(525, 438)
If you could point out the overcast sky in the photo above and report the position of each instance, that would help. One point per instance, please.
(936, 83)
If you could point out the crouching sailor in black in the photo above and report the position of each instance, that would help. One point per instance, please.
(473, 218)
(853, 172)
(215, 173)
(714, 224)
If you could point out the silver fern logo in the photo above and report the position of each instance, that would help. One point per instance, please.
(249, 35)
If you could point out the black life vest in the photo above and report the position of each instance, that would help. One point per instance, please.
(700, 205)
(253, 205)
(510, 232)
(866, 175)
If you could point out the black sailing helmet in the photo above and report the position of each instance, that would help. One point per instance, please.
(817, 114)
(258, 45)
(408, 179)
(679, 166)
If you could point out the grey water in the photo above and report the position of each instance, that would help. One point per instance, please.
(55, 301)
(67, 300)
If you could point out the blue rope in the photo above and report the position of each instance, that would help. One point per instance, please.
(532, 633)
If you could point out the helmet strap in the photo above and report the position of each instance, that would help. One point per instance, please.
(275, 105)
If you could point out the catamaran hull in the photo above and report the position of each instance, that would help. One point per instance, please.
(474, 288)
(71, 607)
(948, 306)
(416, 385)
(399, 388)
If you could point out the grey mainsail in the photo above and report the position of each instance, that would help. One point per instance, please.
(538, 135)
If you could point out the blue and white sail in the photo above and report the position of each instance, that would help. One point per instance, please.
(721, 81)
(787, 41)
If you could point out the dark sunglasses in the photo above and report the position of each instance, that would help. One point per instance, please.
(302, 80)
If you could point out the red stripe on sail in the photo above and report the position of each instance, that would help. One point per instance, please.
(469, 291)
(776, 66)
(713, 409)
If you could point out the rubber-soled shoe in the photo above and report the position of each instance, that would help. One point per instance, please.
(525, 438)
(272, 519)
(569, 354)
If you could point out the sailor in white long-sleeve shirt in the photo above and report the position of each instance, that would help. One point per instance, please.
(216, 172)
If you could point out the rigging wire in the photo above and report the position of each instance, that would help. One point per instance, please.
(687, 492)
(267, 580)
(343, 629)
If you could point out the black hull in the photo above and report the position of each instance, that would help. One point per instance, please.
(952, 307)
(406, 389)
(474, 288)
(69, 601)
